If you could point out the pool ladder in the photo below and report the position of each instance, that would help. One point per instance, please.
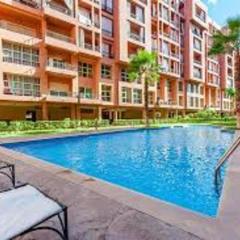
(225, 157)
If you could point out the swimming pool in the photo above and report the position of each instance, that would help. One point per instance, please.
(172, 164)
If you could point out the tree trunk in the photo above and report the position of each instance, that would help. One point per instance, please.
(237, 86)
(146, 104)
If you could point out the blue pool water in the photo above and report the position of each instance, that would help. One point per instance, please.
(173, 164)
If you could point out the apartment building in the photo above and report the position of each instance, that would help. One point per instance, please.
(68, 59)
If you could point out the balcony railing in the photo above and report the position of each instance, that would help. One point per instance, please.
(202, 17)
(30, 3)
(169, 102)
(175, 55)
(60, 64)
(215, 82)
(136, 37)
(59, 36)
(21, 60)
(107, 33)
(107, 54)
(89, 46)
(84, 20)
(20, 91)
(61, 93)
(17, 28)
(137, 17)
(60, 8)
(197, 62)
(87, 96)
(197, 74)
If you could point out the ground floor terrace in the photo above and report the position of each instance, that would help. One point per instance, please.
(18, 110)
(58, 111)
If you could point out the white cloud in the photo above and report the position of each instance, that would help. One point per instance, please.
(214, 2)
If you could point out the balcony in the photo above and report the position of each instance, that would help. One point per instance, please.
(58, 36)
(174, 37)
(59, 40)
(197, 73)
(85, 20)
(198, 62)
(56, 95)
(59, 11)
(166, 103)
(174, 55)
(137, 37)
(18, 33)
(59, 8)
(88, 98)
(214, 82)
(13, 93)
(107, 33)
(107, 54)
(30, 3)
(61, 67)
(90, 48)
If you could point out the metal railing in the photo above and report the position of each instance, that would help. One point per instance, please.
(59, 36)
(60, 64)
(136, 37)
(30, 3)
(60, 8)
(225, 157)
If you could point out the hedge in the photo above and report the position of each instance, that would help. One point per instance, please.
(21, 126)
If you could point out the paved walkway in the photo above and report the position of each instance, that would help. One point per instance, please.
(93, 216)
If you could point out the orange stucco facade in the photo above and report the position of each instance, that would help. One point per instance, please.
(68, 58)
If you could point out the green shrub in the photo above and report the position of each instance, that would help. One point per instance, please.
(3, 126)
(18, 126)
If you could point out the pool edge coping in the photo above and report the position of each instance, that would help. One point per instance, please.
(221, 227)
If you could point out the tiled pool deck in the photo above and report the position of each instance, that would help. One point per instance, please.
(102, 211)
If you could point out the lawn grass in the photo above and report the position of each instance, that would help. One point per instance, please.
(228, 124)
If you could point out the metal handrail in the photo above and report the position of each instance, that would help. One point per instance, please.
(226, 155)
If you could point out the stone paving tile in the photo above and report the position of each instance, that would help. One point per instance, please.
(93, 216)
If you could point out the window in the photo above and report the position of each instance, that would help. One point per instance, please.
(107, 27)
(85, 69)
(165, 48)
(21, 85)
(86, 93)
(137, 96)
(180, 86)
(107, 50)
(192, 101)
(136, 11)
(19, 54)
(106, 71)
(151, 97)
(197, 44)
(197, 73)
(200, 13)
(107, 5)
(126, 95)
(197, 31)
(124, 75)
(106, 93)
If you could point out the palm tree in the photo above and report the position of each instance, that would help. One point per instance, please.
(231, 93)
(228, 41)
(144, 67)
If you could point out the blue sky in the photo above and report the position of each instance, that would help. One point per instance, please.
(220, 10)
